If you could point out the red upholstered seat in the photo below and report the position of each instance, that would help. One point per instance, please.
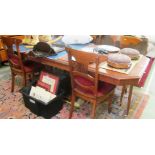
(103, 87)
(84, 81)
(14, 59)
(28, 66)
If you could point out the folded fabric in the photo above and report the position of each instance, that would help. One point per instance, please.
(77, 39)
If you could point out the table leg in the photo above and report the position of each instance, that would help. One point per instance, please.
(129, 98)
(122, 94)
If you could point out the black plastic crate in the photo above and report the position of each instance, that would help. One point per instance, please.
(64, 80)
(38, 107)
(65, 83)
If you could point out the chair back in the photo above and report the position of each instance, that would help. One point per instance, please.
(84, 79)
(11, 45)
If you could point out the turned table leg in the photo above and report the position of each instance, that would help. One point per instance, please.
(129, 98)
(122, 93)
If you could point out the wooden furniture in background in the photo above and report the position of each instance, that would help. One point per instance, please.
(21, 37)
(98, 39)
(3, 54)
(122, 41)
(126, 41)
(15, 60)
(84, 84)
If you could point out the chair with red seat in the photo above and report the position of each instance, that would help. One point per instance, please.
(18, 67)
(85, 80)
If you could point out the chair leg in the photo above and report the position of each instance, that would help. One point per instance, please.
(12, 83)
(129, 98)
(24, 80)
(122, 93)
(93, 113)
(72, 106)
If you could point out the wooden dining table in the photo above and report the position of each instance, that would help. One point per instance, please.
(119, 79)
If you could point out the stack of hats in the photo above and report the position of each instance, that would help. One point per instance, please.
(122, 60)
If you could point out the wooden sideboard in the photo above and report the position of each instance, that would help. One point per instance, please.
(3, 54)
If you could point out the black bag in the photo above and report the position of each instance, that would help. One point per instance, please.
(42, 49)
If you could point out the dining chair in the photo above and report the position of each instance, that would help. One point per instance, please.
(17, 65)
(85, 80)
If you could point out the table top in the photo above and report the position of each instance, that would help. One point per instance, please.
(117, 78)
